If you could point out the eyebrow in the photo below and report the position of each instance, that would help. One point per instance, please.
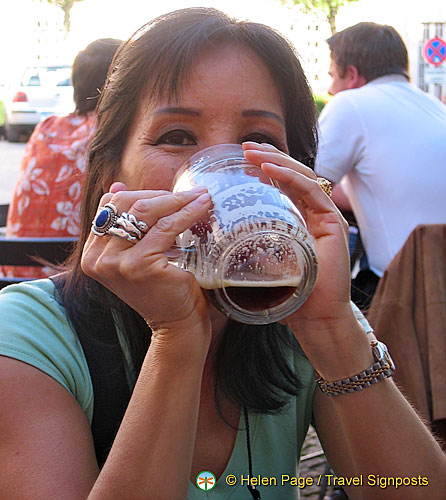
(263, 114)
(247, 113)
(176, 110)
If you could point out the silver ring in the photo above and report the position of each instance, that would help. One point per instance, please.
(140, 224)
(122, 233)
(128, 226)
(104, 219)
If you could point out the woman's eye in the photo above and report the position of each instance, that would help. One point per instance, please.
(260, 138)
(177, 137)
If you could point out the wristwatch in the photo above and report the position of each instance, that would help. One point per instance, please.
(382, 368)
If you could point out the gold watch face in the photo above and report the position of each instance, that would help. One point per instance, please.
(381, 353)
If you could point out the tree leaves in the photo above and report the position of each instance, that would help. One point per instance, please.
(328, 7)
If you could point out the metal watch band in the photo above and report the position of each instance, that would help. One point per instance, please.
(381, 369)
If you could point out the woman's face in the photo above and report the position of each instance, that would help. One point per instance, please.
(230, 97)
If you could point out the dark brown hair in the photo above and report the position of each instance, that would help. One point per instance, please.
(374, 49)
(159, 57)
(90, 71)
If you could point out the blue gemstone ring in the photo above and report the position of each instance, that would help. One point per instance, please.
(104, 220)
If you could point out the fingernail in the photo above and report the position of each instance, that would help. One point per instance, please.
(117, 186)
(204, 199)
(199, 189)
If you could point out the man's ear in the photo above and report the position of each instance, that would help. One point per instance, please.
(353, 79)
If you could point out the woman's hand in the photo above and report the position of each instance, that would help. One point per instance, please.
(140, 274)
(325, 223)
(328, 308)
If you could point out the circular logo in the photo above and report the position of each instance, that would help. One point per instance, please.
(206, 480)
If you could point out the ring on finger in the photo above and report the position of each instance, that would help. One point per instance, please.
(325, 185)
(105, 219)
(140, 224)
(128, 226)
(122, 233)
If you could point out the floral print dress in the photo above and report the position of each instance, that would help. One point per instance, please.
(47, 196)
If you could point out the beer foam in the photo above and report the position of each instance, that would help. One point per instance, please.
(251, 202)
(207, 284)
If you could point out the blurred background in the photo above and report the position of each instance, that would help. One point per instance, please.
(40, 38)
(34, 30)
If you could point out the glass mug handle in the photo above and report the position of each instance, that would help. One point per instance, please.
(183, 257)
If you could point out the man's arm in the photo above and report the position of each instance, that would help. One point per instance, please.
(341, 138)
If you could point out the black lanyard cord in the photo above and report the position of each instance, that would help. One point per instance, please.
(252, 489)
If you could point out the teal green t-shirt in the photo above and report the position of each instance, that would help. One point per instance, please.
(34, 329)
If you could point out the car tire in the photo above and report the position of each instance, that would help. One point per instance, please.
(12, 133)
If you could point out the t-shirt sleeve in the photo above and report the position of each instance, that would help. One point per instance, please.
(341, 138)
(34, 329)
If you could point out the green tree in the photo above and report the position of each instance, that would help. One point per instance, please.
(66, 6)
(329, 8)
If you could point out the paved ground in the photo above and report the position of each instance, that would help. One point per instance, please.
(314, 467)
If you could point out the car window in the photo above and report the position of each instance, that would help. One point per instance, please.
(47, 76)
(34, 80)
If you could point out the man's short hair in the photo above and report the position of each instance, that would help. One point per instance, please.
(90, 71)
(374, 49)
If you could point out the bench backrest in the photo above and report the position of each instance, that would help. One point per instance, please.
(31, 252)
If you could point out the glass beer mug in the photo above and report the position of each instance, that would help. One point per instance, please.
(252, 254)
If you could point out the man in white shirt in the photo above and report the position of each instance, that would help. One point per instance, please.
(385, 138)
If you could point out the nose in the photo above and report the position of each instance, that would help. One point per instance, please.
(220, 140)
(221, 132)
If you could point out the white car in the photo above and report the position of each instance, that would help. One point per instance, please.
(42, 92)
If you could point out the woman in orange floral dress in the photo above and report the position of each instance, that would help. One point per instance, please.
(47, 196)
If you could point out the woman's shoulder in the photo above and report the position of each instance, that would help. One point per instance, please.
(35, 330)
(42, 288)
(64, 129)
(28, 300)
